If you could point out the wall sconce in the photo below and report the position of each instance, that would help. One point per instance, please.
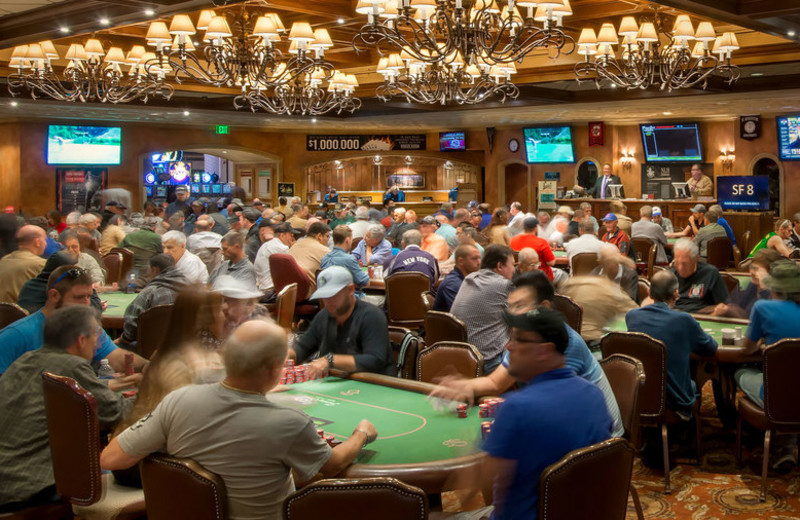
(727, 157)
(626, 159)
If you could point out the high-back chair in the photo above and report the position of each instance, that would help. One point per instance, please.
(380, 497)
(9, 313)
(652, 353)
(285, 270)
(448, 358)
(131, 260)
(609, 462)
(645, 251)
(780, 415)
(405, 305)
(75, 449)
(182, 488)
(112, 263)
(644, 288)
(571, 310)
(582, 264)
(153, 324)
(718, 252)
(284, 304)
(443, 326)
(405, 348)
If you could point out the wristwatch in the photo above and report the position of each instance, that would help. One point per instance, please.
(329, 358)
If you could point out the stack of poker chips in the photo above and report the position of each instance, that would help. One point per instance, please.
(486, 429)
(492, 407)
(462, 411)
(330, 439)
(292, 374)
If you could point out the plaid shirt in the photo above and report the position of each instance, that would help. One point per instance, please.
(26, 467)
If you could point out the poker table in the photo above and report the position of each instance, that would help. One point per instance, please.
(561, 258)
(417, 444)
(114, 315)
(711, 324)
(743, 279)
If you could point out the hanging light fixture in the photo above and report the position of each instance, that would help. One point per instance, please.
(649, 55)
(91, 74)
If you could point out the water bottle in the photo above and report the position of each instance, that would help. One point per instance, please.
(105, 371)
(131, 287)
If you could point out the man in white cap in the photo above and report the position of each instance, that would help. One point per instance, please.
(239, 302)
(347, 334)
(661, 220)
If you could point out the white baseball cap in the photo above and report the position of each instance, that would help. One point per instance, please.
(331, 281)
(231, 287)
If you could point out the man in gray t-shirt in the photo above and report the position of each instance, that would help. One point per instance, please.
(233, 430)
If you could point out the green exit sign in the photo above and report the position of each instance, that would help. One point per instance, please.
(222, 129)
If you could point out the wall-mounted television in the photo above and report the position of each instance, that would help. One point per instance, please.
(671, 142)
(743, 192)
(549, 144)
(452, 141)
(82, 145)
(789, 137)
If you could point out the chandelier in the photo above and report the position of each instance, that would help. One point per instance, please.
(454, 81)
(91, 74)
(651, 56)
(305, 95)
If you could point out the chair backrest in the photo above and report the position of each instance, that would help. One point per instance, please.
(285, 303)
(74, 439)
(583, 263)
(626, 377)
(609, 462)
(652, 353)
(128, 258)
(745, 242)
(152, 328)
(182, 488)
(408, 363)
(285, 270)
(429, 299)
(443, 326)
(718, 253)
(380, 497)
(781, 366)
(449, 358)
(645, 251)
(571, 310)
(730, 281)
(405, 305)
(89, 244)
(355, 243)
(644, 288)
(10, 312)
(112, 262)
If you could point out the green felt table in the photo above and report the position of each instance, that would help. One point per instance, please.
(117, 302)
(742, 278)
(416, 443)
(712, 327)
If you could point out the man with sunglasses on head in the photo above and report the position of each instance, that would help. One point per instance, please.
(67, 285)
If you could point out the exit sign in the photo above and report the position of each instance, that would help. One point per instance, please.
(222, 129)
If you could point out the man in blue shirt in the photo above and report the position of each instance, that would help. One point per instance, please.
(468, 260)
(342, 241)
(331, 197)
(394, 193)
(374, 249)
(67, 285)
(724, 223)
(557, 412)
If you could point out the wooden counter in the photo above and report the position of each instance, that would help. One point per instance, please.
(413, 200)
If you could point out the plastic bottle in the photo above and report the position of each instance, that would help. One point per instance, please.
(105, 371)
(131, 287)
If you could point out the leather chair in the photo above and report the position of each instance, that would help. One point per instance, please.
(447, 358)
(406, 365)
(9, 313)
(780, 415)
(75, 449)
(284, 304)
(152, 329)
(443, 326)
(182, 488)
(429, 300)
(609, 462)
(112, 263)
(718, 253)
(626, 377)
(285, 271)
(645, 251)
(644, 288)
(571, 310)
(129, 259)
(654, 413)
(355, 243)
(405, 303)
(380, 497)
(89, 245)
(582, 264)
(730, 281)
(745, 242)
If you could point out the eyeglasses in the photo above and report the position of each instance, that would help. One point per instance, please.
(74, 274)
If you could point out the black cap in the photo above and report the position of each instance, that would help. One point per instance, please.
(283, 227)
(321, 214)
(251, 214)
(549, 324)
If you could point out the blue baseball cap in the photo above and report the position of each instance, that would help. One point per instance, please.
(610, 217)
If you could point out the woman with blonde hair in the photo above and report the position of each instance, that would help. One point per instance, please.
(497, 230)
(778, 240)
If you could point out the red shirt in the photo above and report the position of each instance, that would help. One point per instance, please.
(619, 239)
(539, 245)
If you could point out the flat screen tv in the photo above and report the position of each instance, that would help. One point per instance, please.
(549, 144)
(452, 141)
(745, 192)
(671, 142)
(81, 145)
(789, 137)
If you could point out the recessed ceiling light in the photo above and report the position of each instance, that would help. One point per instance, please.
(14, 103)
(613, 85)
(64, 30)
(224, 151)
(666, 113)
(340, 21)
(104, 21)
(149, 12)
(314, 120)
(756, 74)
(186, 112)
(791, 34)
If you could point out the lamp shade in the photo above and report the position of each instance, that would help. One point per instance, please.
(352, 81)
(705, 32)
(94, 48)
(681, 18)
(564, 10)
(278, 22)
(115, 55)
(527, 4)
(218, 28)
(728, 42)
(390, 11)
(265, 27)
(587, 49)
(684, 31)
(383, 65)
(76, 52)
(301, 32)
(181, 25)
(588, 37)
(293, 48)
(699, 50)
(647, 33)
(187, 43)
(158, 33)
(49, 49)
(628, 26)
(395, 62)
(322, 40)
(35, 52)
(205, 17)
(134, 55)
(607, 35)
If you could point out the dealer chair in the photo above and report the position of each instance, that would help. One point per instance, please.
(344, 499)
(448, 358)
(405, 348)
(182, 488)
(718, 252)
(443, 326)
(405, 303)
(780, 415)
(75, 448)
(609, 462)
(112, 263)
(571, 310)
(582, 264)
(151, 332)
(9, 313)
(653, 413)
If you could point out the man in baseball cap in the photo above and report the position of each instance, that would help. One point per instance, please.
(348, 334)
(182, 201)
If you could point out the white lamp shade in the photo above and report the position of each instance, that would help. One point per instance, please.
(647, 33)
(564, 10)
(181, 25)
(76, 52)
(390, 11)
(395, 63)
(684, 31)
(527, 4)
(699, 50)
(607, 35)
(587, 49)
(681, 18)
(322, 40)
(550, 4)
(158, 33)
(728, 42)
(94, 48)
(49, 49)
(115, 55)
(293, 47)
(301, 32)
(35, 52)
(134, 55)
(383, 65)
(588, 37)
(20, 51)
(188, 45)
(628, 26)
(205, 17)
(265, 27)
(705, 32)
(352, 81)
(218, 28)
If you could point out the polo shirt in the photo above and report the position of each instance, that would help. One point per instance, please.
(261, 265)
(539, 245)
(702, 289)
(557, 412)
(447, 290)
(28, 334)
(448, 232)
(774, 320)
(242, 270)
